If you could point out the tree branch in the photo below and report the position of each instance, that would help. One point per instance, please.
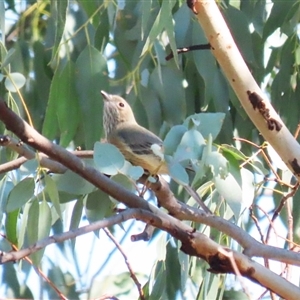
(254, 101)
(193, 243)
(251, 246)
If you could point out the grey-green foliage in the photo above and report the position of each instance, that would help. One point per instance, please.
(70, 50)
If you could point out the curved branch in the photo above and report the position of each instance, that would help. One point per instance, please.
(163, 193)
(193, 243)
(27, 154)
(251, 246)
(253, 100)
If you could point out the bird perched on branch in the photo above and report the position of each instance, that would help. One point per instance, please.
(133, 140)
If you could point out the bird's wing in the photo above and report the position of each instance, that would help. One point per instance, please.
(138, 138)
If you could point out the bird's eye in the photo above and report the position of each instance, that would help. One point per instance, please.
(121, 104)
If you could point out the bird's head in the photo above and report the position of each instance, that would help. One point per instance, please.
(116, 111)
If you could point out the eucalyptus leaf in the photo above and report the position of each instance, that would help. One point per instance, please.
(9, 57)
(72, 183)
(178, 173)
(52, 191)
(97, 206)
(231, 191)
(209, 123)
(108, 158)
(20, 194)
(134, 172)
(14, 81)
(173, 139)
(217, 164)
(190, 147)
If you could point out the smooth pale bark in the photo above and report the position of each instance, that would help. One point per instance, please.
(253, 100)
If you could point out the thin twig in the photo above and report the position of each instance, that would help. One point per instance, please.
(297, 131)
(290, 236)
(134, 278)
(280, 207)
(253, 217)
(38, 270)
(187, 49)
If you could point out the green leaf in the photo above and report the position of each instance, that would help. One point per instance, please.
(239, 27)
(5, 188)
(158, 281)
(2, 21)
(72, 183)
(237, 154)
(59, 14)
(134, 172)
(205, 64)
(145, 14)
(169, 86)
(98, 206)
(14, 81)
(38, 226)
(23, 226)
(29, 167)
(125, 182)
(162, 21)
(277, 16)
(63, 106)
(102, 32)
(52, 191)
(91, 71)
(108, 158)
(231, 191)
(173, 284)
(209, 123)
(152, 107)
(10, 55)
(173, 139)
(20, 194)
(76, 214)
(32, 222)
(76, 218)
(217, 163)
(178, 172)
(11, 223)
(90, 8)
(190, 147)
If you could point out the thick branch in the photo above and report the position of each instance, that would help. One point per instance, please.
(253, 100)
(251, 246)
(27, 154)
(194, 243)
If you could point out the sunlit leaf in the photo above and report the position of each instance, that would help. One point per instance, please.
(14, 81)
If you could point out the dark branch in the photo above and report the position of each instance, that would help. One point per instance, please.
(190, 48)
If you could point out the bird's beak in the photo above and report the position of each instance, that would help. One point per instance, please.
(106, 96)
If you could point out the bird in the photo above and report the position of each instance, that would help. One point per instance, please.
(134, 141)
